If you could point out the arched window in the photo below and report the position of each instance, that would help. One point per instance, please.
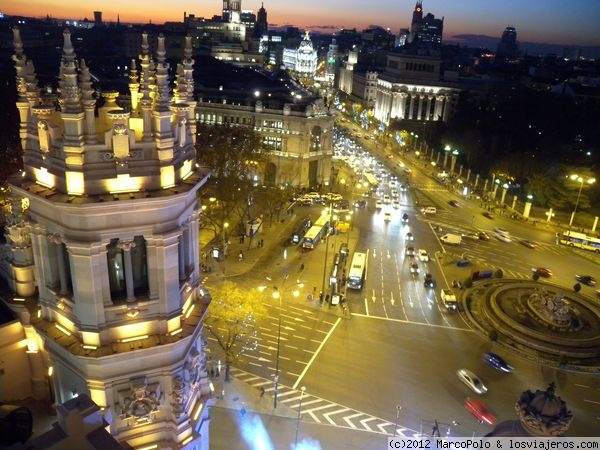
(316, 136)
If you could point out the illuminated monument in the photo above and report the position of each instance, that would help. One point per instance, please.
(103, 236)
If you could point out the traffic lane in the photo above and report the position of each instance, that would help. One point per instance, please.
(391, 364)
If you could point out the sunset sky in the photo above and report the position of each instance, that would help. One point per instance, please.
(572, 22)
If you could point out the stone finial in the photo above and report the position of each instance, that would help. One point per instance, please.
(145, 45)
(187, 52)
(68, 49)
(17, 41)
(160, 49)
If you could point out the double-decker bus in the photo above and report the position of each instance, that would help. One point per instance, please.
(581, 240)
(358, 271)
(316, 232)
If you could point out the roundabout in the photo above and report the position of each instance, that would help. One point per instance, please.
(538, 320)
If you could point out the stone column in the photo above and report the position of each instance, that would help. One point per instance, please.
(195, 243)
(62, 269)
(187, 247)
(439, 103)
(428, 112)
(126, 246)
(420, 108)
(403, 97)
(412, 107)
(446, 112)
(181, 254)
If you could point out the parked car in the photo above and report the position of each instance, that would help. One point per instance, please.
(471, 380)
(497, 362)
(542, 272)
(423, 255)
(586, 279)
(480, 411)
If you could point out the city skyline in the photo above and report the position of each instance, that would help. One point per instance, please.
(554, 23)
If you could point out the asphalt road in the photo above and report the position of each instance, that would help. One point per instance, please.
(401, 348)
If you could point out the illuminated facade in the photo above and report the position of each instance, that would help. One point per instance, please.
(302, 60)
(103, 247)
(300, 136)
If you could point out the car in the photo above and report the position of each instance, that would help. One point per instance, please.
(483, 236)
(387, 216)
(410, 251)
(454, 203)
(489, 215)
(360, 203)
(405, 218)
(395, 204)
(410, 237)
(471, 380)
(588, 280)
(414, 268)
(497, 362)
(502, 237)
(407, 171)
(423, 255)
(313, 195)
(429, 210)
(429, 282)
(503, 231)
(403, 187)
(470, 236)
(378, 204)
(480, 411)
(542, 272)
(527, 243)
(386, 199)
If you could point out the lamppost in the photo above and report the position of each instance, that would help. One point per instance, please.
(302, 389)
(580, 180)
(398, 409)
(330, 209)
(276, 295)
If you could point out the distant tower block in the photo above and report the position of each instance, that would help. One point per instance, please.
(97, 18)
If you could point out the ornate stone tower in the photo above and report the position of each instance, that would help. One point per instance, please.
(104, 246)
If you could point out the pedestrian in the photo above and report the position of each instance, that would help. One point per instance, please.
(301, 267)
(321, 297)
(262, 243)
(241, 256)
(262, 391)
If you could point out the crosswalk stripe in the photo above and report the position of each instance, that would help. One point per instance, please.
(347, 419)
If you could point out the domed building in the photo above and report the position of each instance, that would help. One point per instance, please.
(303, 60)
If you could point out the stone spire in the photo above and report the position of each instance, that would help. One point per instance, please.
(70, 94)
(20, 64)
(162, 98)
(146, 82)
(134, 86)
(88, 101)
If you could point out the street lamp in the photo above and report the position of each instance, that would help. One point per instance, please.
(302, 389)
(580, 180)
(277, 296)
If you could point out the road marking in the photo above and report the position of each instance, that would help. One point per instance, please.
(347, 419)
(364, 424)
(308, 402)
(392, 301)
(327, 415)
(413, 322)
(367, 306)
(591, 401)
(310, 411)
(373, 296)
(582, 385)
(314, 356)
(384, 425)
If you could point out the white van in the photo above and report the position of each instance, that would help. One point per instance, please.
(429, 210)
(449, 238)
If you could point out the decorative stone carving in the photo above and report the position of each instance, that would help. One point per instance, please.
(140, 401)
(543, 413)
(120, 129)
(107, 156)
(178, 395)
(126, 245)
(193, 369)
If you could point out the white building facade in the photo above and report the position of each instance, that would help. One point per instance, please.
(303, 60)
(103, 246)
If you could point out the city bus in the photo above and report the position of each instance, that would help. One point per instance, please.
(581, 240)
(373, 183)
(358, 271)
(300, 231)
(314, 234)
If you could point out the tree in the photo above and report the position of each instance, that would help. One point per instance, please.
(234, 155)
(231, 319)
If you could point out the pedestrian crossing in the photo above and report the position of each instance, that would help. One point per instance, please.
(322, 411)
